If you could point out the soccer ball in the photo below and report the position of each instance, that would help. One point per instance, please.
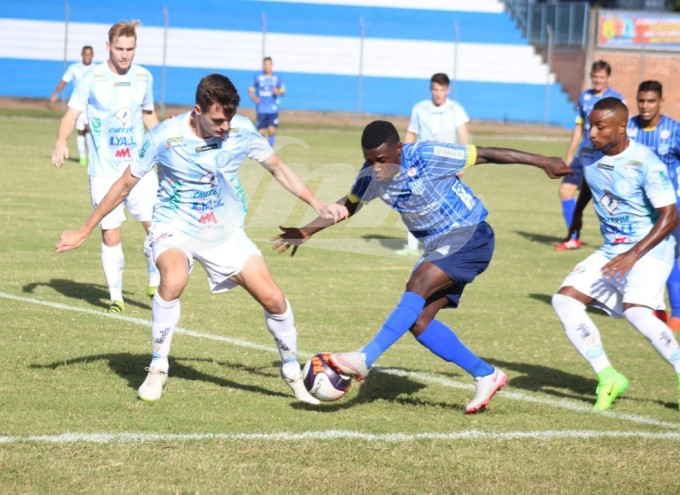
(322, 381)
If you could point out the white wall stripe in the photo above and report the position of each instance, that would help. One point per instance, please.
(542, 435)
(539, 399)
(484, 6)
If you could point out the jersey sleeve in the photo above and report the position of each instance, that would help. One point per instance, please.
(444, 159)
(80, 95)
(259, 148)
(461, 116)
(147, 103)
(657, 185)
(362, 190)
(146, 158)
(69, 74)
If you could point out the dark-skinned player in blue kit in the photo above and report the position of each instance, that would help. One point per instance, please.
(420, 182)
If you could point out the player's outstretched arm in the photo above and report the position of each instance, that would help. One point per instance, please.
(71, 239)
(292, 182)
(60, 151)
(553, 166)
(57, 90)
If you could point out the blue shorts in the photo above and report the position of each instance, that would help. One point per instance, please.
(265, 120)
(462, 254)
(577, 176)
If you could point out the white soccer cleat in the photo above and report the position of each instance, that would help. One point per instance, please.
(152, 388)
(486, 387)
(297, 385)
(350, 364)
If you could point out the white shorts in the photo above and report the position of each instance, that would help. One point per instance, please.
(221, 261)
(139, 203)
(81, 121)
(643, 285)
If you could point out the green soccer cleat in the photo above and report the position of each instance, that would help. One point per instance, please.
(116, 307)
(151, 291)
(83, 161)
(609, 389)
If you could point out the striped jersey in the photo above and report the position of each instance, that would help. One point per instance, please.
(426, 192)
(586, 102)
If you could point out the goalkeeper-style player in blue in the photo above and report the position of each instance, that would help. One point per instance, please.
(420, 182)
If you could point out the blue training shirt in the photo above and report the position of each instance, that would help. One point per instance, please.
(586, 102)
(264, 86)
(427, 193)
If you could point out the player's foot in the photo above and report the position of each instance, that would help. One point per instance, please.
(116, 307)
(298, 387)
(662, 315)
(83, 161)
(407, 251)
(568, 245)
(609, 389)
(486, 387)
(674, 323)
(352, 364)
(152, 388)
(151, 291)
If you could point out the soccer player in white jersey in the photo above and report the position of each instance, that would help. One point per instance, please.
(74, 73)
(661, 134)
(421, 182)
(436, 119)
(636, 206)
(117, 97)
(199, 217)
(600, 72)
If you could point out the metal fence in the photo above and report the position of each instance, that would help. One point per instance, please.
(568, 21)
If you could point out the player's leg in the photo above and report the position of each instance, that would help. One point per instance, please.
(443, 342)
(585, 286)
(174, 265)
(567, 192)
(140, 205)
(271, 129)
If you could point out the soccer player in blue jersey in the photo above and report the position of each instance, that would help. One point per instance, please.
(420, 181)
(636, 206)
(599, 76)
(199, 215)
(661, 134)
(265, 91)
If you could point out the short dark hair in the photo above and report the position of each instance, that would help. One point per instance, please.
(378, 133)
(87, 47)
(217, 89)
(601, 65)
(267, 58)
(651, 86)
(440, 78)
(610, 103)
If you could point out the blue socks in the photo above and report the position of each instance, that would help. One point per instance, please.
(397, 324)
(673, 287)
(271, 140)
(441, 340)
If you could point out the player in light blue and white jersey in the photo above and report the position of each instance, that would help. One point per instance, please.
(198, 216)
(636, 206)
(74, 73)
(661, 134)
(599, 76)
(420, 181)
(266, 90)
(117, 97)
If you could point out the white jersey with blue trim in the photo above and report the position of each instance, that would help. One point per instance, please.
(428, 194)
(664, 140)
(198, 185)
(437, 123)
(114, 104)
(75, 72)
(626, 189)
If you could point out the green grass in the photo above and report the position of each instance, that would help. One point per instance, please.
(71, 422)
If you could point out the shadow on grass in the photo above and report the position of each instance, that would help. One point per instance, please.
(540, 238)
(94, 294)
(392, 243)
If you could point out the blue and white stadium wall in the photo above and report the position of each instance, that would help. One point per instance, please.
(317, 47)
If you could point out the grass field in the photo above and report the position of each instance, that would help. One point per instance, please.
(70, 421)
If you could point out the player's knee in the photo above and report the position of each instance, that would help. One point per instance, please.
(420, 325)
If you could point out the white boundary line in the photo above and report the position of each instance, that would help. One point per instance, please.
(424, 377)
(108, 438)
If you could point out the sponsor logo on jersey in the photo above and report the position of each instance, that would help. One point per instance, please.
(144, 148)
(174, 141)
(411, 172)
(632, 132)
(207, 147)
(604, 166)
(663, 148)
(124, 115)
(122, 141)
(455, 153)
(610, 204)
(123, 153)
(209, 178)
(665, 134)
(208, 218)
(122, 83)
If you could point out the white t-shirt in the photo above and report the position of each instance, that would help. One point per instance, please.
(437, 123)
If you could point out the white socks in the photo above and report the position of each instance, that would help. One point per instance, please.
(282, 328)
(113, 263)
(581, 330)
(154, 274)
(164, 319)
(659, 335)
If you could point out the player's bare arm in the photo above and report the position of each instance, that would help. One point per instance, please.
(619, 266)
(71, 239)
(150, 119)
(576, 136)
(66, 125)
(553, 166)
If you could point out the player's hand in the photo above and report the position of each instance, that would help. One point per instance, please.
(290, 237)
(59, 155)
(555, 168)
(618, 267)
(70, 239)
(334, 212)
